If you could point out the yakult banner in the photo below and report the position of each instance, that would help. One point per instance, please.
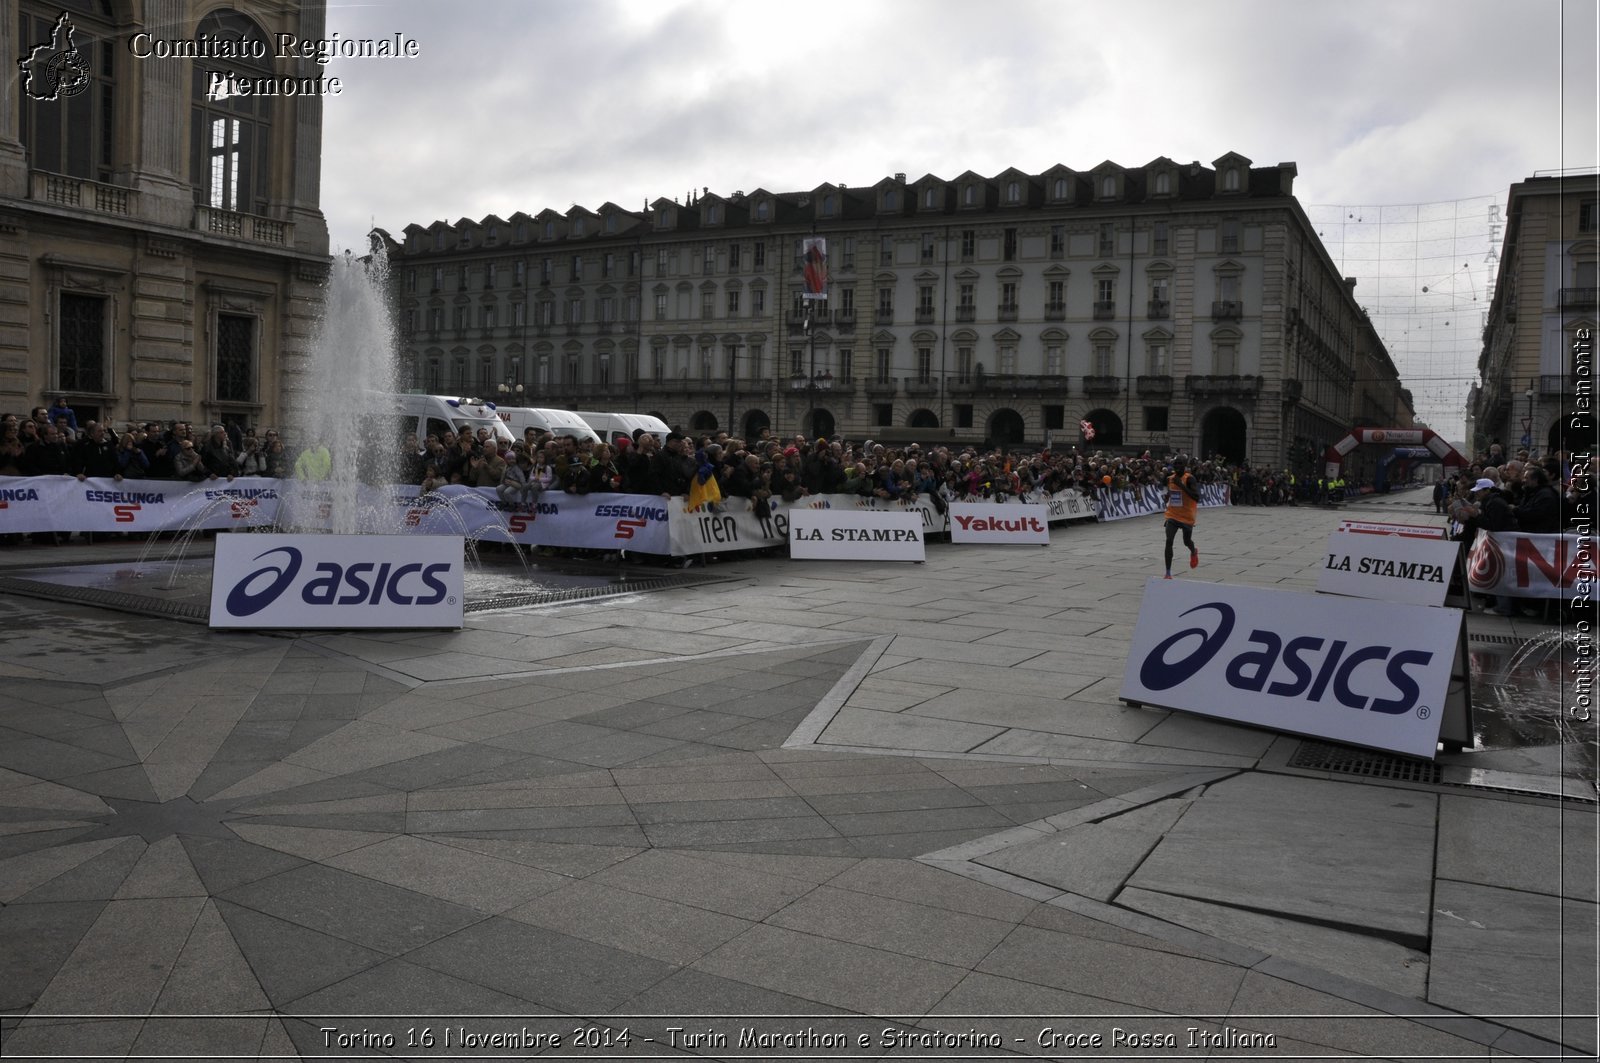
(1151, 498)
(854, 535)
(1524, 565)
(1362, 672)
(1391, 568)
(988, 522)
(337, 581)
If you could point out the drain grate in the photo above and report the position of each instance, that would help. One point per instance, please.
(1497, 640)
(1346, 760)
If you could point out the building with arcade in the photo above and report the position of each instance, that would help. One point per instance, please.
(1170, 305)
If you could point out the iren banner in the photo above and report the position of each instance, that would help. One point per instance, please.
(1362, 672)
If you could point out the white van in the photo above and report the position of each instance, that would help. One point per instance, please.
(436, 414)
(615, 426)
(557, 422)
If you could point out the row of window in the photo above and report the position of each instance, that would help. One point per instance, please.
(83, 352)
(732, 257)
(735, 305)
(746, 362)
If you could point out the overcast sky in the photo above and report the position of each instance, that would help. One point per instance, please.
(1408, 119)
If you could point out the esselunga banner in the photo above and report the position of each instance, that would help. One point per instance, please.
(1367, 673)
(1151, 498)
(1526, 565)
(338, 581)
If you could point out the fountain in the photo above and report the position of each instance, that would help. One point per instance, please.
(340, 399)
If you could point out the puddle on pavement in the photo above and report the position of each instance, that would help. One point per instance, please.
(1521, 700)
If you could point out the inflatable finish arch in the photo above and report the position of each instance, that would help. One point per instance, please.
(1333, 460)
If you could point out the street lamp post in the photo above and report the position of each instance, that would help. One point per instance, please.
(1527, 425)
(733, 354)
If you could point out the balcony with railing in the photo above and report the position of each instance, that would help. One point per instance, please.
(883, 316)
(880, 387)
(1102, 385)
(1579, 298)
(920, 385)
(237, 225)
(1227, 310)
(966, 313)
(1006, 312)
(924, 315)
(1010, 383)
(1055, 311)
(1159, 309)
(1224, 385)
(1552, 385)
(1154, 384)
(1105, 309)
(844, 320)
(81, 194)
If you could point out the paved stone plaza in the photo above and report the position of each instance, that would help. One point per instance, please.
(852, 798)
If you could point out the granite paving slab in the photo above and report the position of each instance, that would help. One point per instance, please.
(1336, 853)
(554, 970)
(289, 960)
(1526, 957)
(664, 929)
(1092, 859)
(848, 975)
(895, 925)
(1543, 848)
(350, 906)
(1359, 956)
(474, 880)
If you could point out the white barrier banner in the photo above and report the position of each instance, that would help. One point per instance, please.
(1390, 568)
(65, 503)
(1410, 531)
(1525, 565)
(989, 522)
(1152, 498)
(1362, 672)
(643, 523)
(855, 535)
(337, 581)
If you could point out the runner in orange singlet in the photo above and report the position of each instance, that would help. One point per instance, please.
(1183, 497)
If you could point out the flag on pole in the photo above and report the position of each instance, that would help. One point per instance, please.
(814, 252)
(1087, 429)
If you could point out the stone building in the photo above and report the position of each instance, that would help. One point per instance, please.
(1168, 305)
(161, 247)
(1545, 295)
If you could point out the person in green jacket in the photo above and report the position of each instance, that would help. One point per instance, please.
(314, 463)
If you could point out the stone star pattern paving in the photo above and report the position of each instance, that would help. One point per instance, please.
(590, 811)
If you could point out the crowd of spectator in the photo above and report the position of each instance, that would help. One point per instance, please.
(1500, 493)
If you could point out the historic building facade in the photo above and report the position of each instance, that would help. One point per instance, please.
(161, 247)
(1169, 305)
(1546, 291)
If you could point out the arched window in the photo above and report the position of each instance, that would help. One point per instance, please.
(969, 195)
(1013, 192)
(827, 204)
(1230, 179)
(1061, 188)
(1163, 183)
(67, 106)
(230, 135)
(889, 200)
(1108, 188)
